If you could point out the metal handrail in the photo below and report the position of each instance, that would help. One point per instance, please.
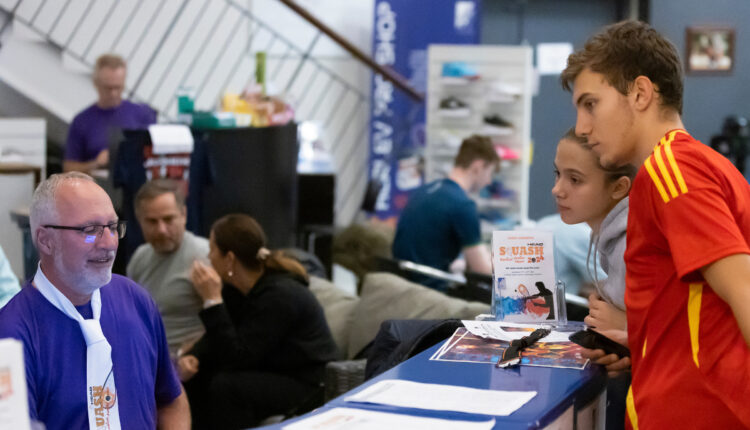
(387, 73)
(158, 47)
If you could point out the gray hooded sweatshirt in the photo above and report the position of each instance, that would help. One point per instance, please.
(610, 243)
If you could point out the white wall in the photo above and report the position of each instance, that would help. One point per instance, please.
(21, 141)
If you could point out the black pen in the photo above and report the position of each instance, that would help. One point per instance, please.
(512, 354)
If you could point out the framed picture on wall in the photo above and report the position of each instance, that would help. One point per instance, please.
(710, 50)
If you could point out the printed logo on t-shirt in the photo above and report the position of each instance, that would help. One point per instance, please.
(103, 400)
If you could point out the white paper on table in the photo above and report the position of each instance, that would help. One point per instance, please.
(494, 330)
(440, 397)
(170, 139)
(359, 419)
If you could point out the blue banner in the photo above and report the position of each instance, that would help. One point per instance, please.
(403, 30)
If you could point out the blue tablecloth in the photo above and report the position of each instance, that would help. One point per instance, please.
(557, 389)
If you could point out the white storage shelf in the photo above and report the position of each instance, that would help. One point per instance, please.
(502, 89)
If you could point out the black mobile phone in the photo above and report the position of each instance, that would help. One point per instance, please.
(594, 340)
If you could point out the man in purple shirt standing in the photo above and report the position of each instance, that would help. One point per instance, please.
(95, 127)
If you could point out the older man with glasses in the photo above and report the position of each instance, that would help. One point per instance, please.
(94, 346)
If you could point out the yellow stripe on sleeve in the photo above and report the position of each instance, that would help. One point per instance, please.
(657, 181)
(645, 341)
(694, 317)
(664, 172)
(630, 406)
(673, 164)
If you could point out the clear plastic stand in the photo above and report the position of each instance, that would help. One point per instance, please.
(561, 311)
(562, 323)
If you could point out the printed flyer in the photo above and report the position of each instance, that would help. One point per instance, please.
(523, 276)
(466, 347)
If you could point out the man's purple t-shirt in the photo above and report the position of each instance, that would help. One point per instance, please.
(55, 355)
(93, 128)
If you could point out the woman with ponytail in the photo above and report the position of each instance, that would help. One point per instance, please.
(267, 340)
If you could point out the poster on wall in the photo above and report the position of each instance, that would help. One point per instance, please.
(523, 272)
(397, 121)
(710, 50)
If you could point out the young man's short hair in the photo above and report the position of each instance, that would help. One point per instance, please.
(473, 148)
(155, 188)
(626, 50)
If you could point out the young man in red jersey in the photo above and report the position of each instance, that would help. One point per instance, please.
(688, 252)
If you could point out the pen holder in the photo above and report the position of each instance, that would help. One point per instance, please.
(561, 311)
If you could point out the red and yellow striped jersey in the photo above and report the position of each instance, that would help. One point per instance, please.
(689, 207)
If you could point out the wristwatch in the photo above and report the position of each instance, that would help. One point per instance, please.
(212, 302)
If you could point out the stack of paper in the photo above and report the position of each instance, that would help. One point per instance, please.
(360, 419)
(440, 397)
(507, 331)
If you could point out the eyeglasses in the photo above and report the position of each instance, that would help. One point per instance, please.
(95, 230)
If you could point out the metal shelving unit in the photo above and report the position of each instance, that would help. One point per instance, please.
(502, 88)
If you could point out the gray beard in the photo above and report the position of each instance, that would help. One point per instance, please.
(85, 282)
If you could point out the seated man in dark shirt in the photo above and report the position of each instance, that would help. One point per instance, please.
(441, 221)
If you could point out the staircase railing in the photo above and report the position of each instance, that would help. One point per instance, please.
(209, 46)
